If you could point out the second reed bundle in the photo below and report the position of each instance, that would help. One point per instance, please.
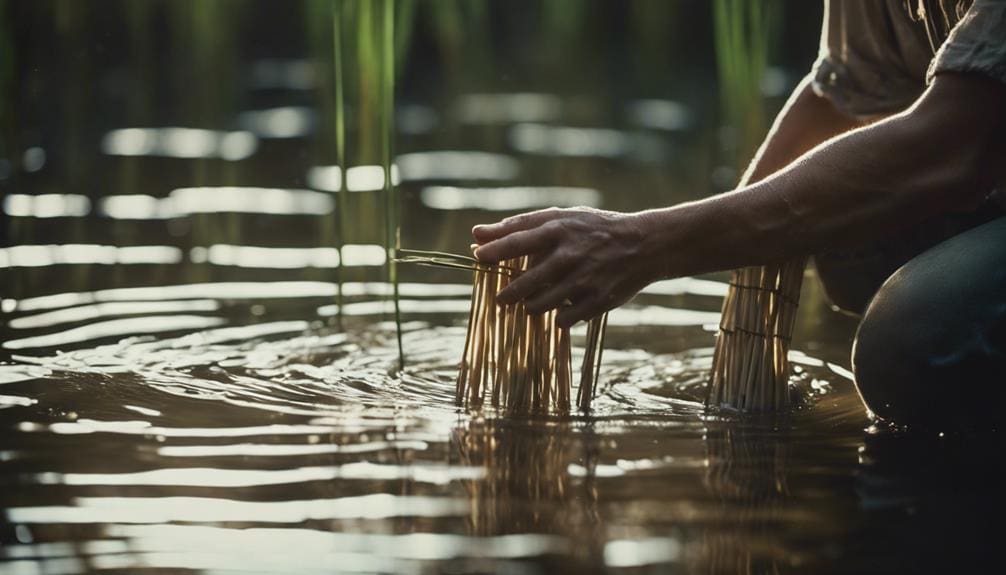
(750, 365)
(521, 361)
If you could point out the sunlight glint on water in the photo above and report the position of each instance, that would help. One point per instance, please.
(193, 378)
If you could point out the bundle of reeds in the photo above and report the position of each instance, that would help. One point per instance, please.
(750, 366)
(513, 359)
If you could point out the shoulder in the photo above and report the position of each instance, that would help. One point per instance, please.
(977, 43)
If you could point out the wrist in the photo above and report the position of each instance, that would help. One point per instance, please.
(661, 238)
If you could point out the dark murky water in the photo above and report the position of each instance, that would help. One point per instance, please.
(233, 425)
(182, 392)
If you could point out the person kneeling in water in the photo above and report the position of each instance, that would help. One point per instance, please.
(884, 165)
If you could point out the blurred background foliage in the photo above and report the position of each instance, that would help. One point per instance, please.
(673, 94)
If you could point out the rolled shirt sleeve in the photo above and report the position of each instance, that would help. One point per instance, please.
(977, 44)
(873, 57)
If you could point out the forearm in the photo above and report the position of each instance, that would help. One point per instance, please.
(862, 184)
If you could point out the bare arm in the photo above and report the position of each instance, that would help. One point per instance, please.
(931, 159)
(928, 160)
(804, 122)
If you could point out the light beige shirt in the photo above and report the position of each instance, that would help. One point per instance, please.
(875, 59)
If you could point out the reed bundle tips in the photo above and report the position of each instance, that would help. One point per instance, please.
(750, 366)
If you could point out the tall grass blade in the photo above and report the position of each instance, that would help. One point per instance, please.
(392, 226)
(340, 144)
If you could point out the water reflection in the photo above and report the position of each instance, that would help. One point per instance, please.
(96, 311)
(46, 205)
(249, 200)
(175, 142)
(451, 165)
(642, 552)
(407, 306)
(687, 286)
(526, 487)
(236, 291)
(289, 258)
(145, 510)
(115, 328)
(508, 198)
(659, 115)
(68, 254)
(215, 477)
(208, 547)
(373, 456)
(281, 122)
(209, 200)
(931, 502)
(546, 140)
(279, 442)
(136, 207)
(507, 108)
(747, 474)
(289, 450)
(358, 178)
(417, 166)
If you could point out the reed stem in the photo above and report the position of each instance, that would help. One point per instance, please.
(520, 361)
(393, 235)
(340, 146)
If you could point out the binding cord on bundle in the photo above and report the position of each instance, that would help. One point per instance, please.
(750, 370)
(513, 359)
(750, 366)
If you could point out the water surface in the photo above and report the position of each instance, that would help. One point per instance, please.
(194, 379)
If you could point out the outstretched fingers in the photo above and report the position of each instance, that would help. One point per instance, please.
(516, 244)
(486, 233)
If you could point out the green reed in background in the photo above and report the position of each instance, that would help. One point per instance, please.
(405, 14)
(340, 142)
(652, 23)
(8, 143)
(393, 230)
(7, 110)
(357, 41)
(743, 35)
(205, 65)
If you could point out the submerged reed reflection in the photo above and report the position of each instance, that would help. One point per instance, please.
(747, 474)
(527, 485)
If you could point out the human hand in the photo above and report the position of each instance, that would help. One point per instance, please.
(595, 259)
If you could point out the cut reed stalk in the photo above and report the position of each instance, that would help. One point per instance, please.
(750, 366)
